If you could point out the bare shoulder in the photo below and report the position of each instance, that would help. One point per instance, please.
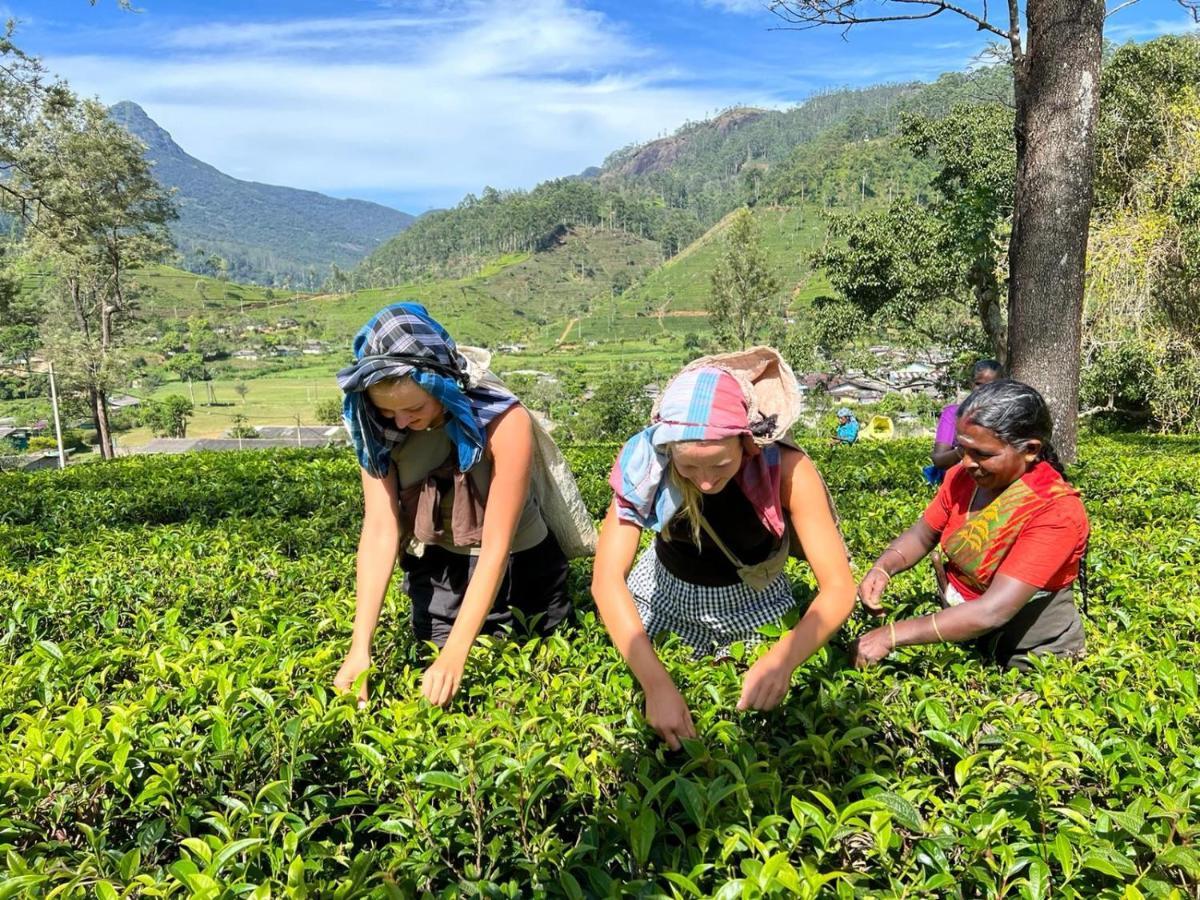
(514, 419)
(800, 477)
(795, 463)
(511, 431)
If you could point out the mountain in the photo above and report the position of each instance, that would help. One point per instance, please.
(264, 233)
(835, 149)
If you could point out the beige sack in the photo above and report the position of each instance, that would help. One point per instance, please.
(550, 479)
(767, 381)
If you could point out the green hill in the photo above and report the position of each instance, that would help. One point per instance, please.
(516, 297)
(833, 149)
(263, 232)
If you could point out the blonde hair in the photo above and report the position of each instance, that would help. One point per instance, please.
(689, 494)
(689, 504)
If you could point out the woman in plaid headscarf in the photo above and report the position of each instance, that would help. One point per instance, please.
(446, 453)
(720, 487)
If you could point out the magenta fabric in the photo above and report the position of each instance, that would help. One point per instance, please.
(946, 428)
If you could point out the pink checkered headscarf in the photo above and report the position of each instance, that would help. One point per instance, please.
(703, 404)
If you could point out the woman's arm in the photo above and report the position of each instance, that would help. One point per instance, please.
(378, 546)
(807, 504)
(945, 455)
(666, 710)
(1004, 598)
(900, 555)
(510, 439)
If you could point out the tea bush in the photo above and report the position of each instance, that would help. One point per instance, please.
(171, 627)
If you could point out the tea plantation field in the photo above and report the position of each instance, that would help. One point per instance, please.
(170, 627)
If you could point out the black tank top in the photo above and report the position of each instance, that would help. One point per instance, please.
(735, 521)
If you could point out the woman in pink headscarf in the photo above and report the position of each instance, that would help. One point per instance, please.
(720, 505)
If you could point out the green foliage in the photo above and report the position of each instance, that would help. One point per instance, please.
(617, 408)
(73, 439)
(171, 627)
(1139, 86)
(329, 412)
(1142, 341)
(188, 366)
(167, 417)
(742, 307)
(887, 263)
(904, 262)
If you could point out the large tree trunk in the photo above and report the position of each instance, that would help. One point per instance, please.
(1057, 91)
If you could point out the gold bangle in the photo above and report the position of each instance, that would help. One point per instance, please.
(903, 558)
(886, 573)
(933, 622)
(892, 631)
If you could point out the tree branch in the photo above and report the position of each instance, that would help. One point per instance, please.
(811, 13)
(1117, 9)
(1014, 30)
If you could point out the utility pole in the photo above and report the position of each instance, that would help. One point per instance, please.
(191, 392)
(62, 456)
(299, 443)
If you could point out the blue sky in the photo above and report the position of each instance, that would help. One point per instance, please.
(416, 103)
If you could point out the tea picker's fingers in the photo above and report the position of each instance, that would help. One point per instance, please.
(668, 734)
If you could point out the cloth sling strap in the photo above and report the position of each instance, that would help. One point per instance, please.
(761, 575)
(421, 514)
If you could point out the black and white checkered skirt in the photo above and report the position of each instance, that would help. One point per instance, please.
(708, 619)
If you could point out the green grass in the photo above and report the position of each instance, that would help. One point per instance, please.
(673, 298)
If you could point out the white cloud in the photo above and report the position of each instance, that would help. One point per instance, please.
(739, 6)
(1121, 32)
(510, 96)
(307, 34)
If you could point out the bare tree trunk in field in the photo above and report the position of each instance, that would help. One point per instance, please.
(97, 401)
(99, 404)
(1057, 82)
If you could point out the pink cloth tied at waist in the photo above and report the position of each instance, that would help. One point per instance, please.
(421, 509)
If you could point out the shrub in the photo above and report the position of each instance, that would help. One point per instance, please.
(171, 627)
(329, 412)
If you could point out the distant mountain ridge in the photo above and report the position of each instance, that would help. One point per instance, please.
(265, 233)
(835, 148)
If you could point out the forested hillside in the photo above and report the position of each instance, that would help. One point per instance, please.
(248, 231)
(835, 149)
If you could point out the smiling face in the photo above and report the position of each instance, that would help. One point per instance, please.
(991, 461)
(406, 404)
(709, 465)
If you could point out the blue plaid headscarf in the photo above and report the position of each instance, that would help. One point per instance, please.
(403, 339)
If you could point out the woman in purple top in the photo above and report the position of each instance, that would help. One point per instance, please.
(945, 452)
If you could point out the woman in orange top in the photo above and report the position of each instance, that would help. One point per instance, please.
(1012, 531)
